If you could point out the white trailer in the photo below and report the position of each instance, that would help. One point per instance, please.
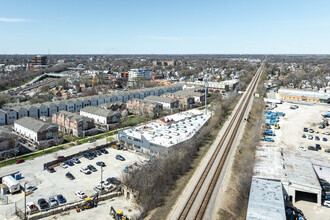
(273, 101)
(12, 184)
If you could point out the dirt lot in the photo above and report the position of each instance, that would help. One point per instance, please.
(292, 124)
(50, 184)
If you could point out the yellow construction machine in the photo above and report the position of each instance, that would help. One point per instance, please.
(88, 203)
(118, 215)
(117, 146)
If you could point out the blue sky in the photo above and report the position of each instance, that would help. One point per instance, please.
(165, 27)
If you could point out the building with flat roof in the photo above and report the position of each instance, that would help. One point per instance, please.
(304, 95)
(35, 130)
(266, 200)
(165, 134)
(138, 73)
(38, 60)
(293, 168)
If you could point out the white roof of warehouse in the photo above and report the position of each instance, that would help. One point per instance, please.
(289, 166)
(266, 201)
(185, 125)
(311, 94)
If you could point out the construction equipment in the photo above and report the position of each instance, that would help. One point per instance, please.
(88, 203)
(117, 146)
(118, 215)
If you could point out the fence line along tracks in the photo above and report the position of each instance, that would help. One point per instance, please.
(230, 133)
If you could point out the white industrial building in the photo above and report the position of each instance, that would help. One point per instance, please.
(293, 168)
(162, 135)
(266, 200)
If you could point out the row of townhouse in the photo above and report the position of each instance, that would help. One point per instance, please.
(47, 109)
(73, 123)
(141, 107)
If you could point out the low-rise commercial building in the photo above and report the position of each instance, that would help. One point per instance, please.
(304, 96)
(36, 131)
(168, 103)
(165, 134)
(72, 123)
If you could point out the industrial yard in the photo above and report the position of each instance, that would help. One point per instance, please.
(295, 160)
(51, 184)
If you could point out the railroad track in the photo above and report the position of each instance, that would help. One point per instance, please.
(32, 87)
(219, 167)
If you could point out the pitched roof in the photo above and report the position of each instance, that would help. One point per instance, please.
(73, 116)
(34, 124)
(98, 111)
(160, 99)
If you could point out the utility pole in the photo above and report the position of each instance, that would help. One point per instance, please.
(25, 200)
(101, 177)
(205, 88)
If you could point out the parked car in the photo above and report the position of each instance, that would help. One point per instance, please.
(100, 163)
(327, 203)
(31, 188)
(303, 136)
(324, 139)
(104, 151)
(113, 180)
(60, 157)
(327, 133)
(69, 175)
(51, 169)
(312, 148)
(301, 148)
(119, 157)
(85, 170)
(98, 188)
(317, 138)
(31, 208)
(91, 140)
(69, 162)
(43, 204)
(81, 194)
(52, 201)
(75, 160)
(318, 146)
(63, 165)
(61, 198)
(91, 168)
(98, 153)
(311, 130)
(327, 150)
(93, 154)
(310, 137)
(20, 161)
(305, 129)
(88, 156)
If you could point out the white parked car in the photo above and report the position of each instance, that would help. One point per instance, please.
(310, 137)
(327, 133)
(31, 208)
(326, 203)
(85, 170)
(81, 194)
(301, 148)
(63, 165)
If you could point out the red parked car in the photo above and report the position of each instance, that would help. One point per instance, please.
(60, 157)
(19, 161)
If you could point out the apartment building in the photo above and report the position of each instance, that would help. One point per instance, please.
(138, 73)
(101, 116)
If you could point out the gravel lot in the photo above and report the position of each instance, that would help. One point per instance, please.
(292, 124)
(57, 183)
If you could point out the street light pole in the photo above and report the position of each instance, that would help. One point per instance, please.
(101, 176)
(25, 200)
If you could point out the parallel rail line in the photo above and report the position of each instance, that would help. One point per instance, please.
(243, 106)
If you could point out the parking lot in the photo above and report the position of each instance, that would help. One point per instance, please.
(293, 123)
(51, 184)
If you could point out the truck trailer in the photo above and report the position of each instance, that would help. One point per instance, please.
(13, 185)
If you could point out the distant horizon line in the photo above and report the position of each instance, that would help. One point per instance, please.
(168, 54)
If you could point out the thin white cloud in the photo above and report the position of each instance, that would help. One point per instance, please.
(161, 37)
(13, 20)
